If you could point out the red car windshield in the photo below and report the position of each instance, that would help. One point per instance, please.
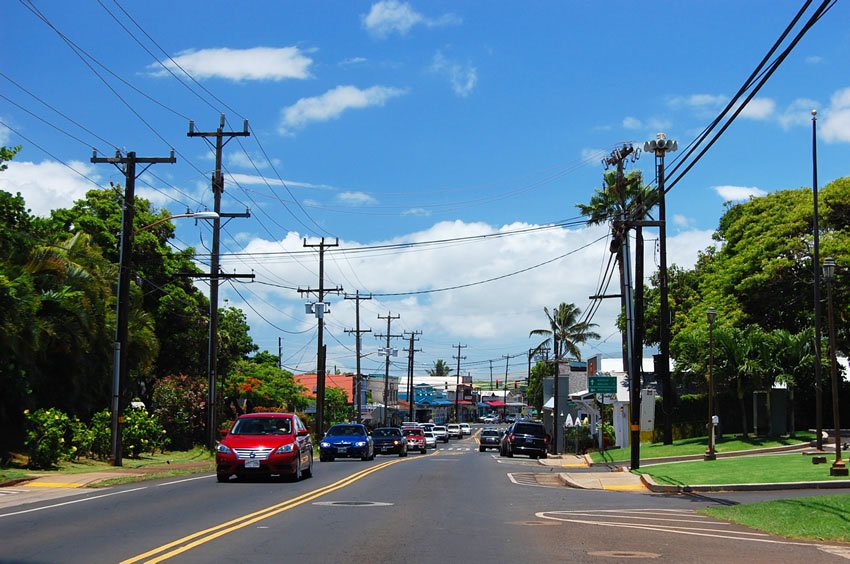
(413, 433)
(263, 426)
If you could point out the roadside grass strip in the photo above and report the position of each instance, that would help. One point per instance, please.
(194, 540)
(767, 469)
(696, 446)
(821, 518)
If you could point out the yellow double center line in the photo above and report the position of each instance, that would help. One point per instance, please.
(194, 540)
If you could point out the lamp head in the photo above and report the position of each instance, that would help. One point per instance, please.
(712, 314)
(828, 269)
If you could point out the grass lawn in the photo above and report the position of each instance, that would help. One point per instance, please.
(824, 518)
(742, 470)
(697, 445)
(17, 468)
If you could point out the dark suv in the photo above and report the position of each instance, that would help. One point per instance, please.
(525, 437)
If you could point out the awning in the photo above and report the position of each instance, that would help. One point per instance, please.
(496, 403)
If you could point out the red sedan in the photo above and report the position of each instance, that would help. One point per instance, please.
(415, 439)
(265, 444)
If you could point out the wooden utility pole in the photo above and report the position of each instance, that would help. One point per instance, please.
(457, 379)
(127, 165)
(358, 383)
(410, 352)
(388, 351)
(319, 309)
(217, 188)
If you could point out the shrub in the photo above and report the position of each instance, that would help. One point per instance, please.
(141, 432)
(180, 402)
(83, 438)
(101, 430)
(48, 437)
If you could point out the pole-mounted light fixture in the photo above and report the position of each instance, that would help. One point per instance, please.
(711, 452)
(838, 467)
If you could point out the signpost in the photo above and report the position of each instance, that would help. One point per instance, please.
(602, 385)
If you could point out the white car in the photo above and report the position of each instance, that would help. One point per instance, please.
(454, 431)
(430, 440)
(465, 428)
(441, 433)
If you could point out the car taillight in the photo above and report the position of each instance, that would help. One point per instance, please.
(511, 438)
(546, 440)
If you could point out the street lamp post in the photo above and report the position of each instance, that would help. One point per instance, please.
(711, 453)
(816, 287)
(838, 468)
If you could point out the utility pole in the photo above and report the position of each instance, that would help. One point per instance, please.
(358, 384)
(457, 379)
(280, 352)
(505, 388)
(217, 188)
(410, 351)
(388, 351)
(556, 408)
(491, 374)
(319, 309)
(816, 287)
(125, 266)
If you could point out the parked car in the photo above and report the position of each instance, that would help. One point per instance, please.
(488, 419)
(415, 438)
(465, 428)
(489, 438)
(510, 418)
(265, 444)
(350, 440)
(454, 431)
(525, 437)
(441, 433)
(427, 426)
(389, 440)
(430, 439)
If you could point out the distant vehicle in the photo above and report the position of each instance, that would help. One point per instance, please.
(510, 418)
(389, 440)
(454, 431)
(265, 444)
(427, 426)
(465, 428)
(409, 424)
(489, 438)
(441, 433)
(430, 439)
(488, 419)
(415, 438)
(346, 441)
(525, 437)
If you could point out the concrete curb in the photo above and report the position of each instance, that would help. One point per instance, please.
(666, 488)
(733, 454)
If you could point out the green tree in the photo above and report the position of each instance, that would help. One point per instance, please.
(440, 368)
(567, 329)
(337, 409)
(254, 385)
(539, 372)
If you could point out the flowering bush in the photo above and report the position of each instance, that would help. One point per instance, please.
(101, 434)
(142, 432)
(180, 402)
(48, 437)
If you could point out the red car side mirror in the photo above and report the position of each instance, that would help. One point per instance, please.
(223, 432)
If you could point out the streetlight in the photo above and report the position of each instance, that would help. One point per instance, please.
(122, 318)
(711, 453)
(838, 468)
(660, 146)
(816, 286)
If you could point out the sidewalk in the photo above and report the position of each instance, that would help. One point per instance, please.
(618, 478)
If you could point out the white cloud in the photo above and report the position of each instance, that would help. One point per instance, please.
(738, 193)
(814, 60)
(242, 159)
(257, 63)
(681, 221)
(651, 124)
(390, 16)
(49, 185)
(489, 311)
(5, 135)
(758, 109)
(254, 180)
(418, 212)
(463, 78)
(356, 199)
(632, 123)
(698, 101)
(593, 155)
(799, 112)
(836, 118)
(333, 103)
(352, 61)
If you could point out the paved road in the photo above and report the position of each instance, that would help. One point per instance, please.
(455, 505)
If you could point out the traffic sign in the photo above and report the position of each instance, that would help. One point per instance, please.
(602, 385)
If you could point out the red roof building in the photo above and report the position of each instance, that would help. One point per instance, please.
(344, 382)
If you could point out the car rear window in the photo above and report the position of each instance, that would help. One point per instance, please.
(529, 429)
(386, 433)
(490, 433)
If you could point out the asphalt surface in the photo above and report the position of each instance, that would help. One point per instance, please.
(455, 505)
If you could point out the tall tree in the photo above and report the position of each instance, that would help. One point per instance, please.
(441, 368)
(565, 325)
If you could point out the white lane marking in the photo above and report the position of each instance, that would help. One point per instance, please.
(186, 480)
(680, 531)
(679, 520)
(842, 551)
(70, 502)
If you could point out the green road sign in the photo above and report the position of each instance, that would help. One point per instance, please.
(602, 384)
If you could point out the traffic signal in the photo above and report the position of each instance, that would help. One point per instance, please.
(497, 383)
(515, 384)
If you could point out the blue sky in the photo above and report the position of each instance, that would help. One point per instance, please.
(396, 122)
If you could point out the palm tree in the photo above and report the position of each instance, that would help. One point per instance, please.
(440, 369)
(567, 331)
